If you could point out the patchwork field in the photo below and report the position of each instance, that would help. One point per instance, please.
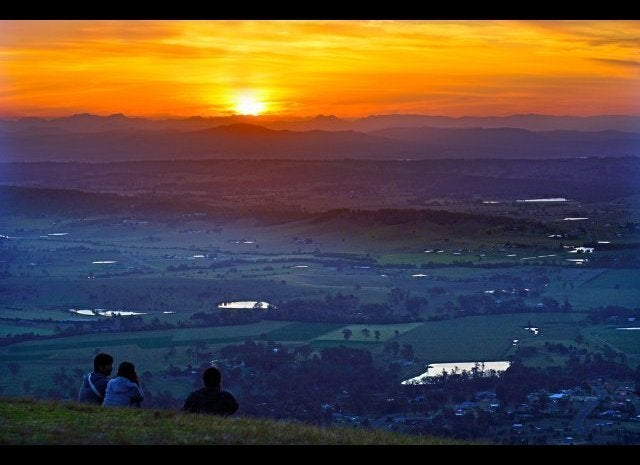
(173, 266)
(465, 339)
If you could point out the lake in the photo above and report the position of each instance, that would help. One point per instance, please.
(103, 312)
(553, 199)
(244, 304)
(582, 250)
(435, 369)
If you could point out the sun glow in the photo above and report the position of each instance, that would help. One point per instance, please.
(305, 68)
(249, 105)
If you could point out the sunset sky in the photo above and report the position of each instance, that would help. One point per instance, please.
(304, 68)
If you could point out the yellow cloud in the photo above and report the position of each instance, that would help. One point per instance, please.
(348, 68)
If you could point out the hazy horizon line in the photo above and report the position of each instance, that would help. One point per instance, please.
(304, 117)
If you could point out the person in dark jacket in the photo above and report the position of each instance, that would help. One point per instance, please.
(94, 384)
(211, 398)
(124, 390)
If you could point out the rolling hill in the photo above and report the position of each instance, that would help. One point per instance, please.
(118, 138)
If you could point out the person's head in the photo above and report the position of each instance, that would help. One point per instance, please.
(103, 363)
(212, 377)
(127, 370)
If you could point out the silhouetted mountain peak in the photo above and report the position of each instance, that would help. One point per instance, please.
(326, 118)
(79, 116)
(241, 129)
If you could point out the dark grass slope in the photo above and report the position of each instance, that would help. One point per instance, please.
(29, 421)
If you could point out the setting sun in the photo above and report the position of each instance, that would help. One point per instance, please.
(249, 105)
(304, 68)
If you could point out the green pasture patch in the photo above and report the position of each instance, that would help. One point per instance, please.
(301, 331)
(480, 338)
(386, 332)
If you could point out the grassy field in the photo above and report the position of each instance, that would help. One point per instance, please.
(148, 339)
(386, 332)
(301, 331)
(586, 288)
(159, 269)
(6, 329)
(464, 339)
(588, 298)
(480, 338)
(26, 421)
(624, 280)
(623, 340)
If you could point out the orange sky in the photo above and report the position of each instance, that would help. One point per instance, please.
(305, 68)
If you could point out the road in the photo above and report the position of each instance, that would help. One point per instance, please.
(577, 424)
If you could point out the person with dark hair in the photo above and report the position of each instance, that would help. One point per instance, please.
(94, 384)
(124, 390)
(211, 398)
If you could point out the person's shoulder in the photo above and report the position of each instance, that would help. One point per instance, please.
(227, 394)
(124, 381)
(99, 378)
(197, 392)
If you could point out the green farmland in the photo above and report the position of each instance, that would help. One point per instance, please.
(464, 339)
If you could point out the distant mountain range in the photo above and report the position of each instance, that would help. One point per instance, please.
(531, 122)
(117, 137)
(92, 123)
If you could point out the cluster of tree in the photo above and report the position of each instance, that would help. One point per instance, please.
(226, 317)
(298, 383)
(420, 179)
(17, 200)
(481, 304)
(612, 313)
(395, 216)
(15, 338)
(338, 308)
(393, 348)
(116, 323)
(341, 308)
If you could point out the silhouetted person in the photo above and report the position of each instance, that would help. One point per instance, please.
(211, 398)
(124, 390)
(94, 384)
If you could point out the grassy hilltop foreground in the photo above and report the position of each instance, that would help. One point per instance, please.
(30, 421)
